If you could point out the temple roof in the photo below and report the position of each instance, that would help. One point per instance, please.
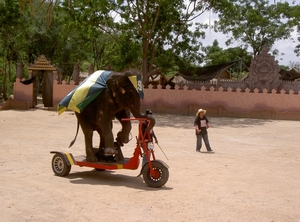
(205, 73)
(42, 64)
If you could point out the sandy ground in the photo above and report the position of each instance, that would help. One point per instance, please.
(253, 175)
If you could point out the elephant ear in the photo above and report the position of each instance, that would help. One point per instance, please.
(119, 81)
(112, 85)
(115, 84)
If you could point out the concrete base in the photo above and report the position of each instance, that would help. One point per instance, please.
(14, 104)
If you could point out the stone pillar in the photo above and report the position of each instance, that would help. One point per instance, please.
(75, 75)
(20, 70)
(58, 73)
(91, 69)
(47, 88)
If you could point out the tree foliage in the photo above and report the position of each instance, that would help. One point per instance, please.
(9, 41)
(137, 34)
(216, 55)
(253, 23)
(295, 18)
(160, 28)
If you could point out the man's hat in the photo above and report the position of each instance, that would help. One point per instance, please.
(200, 110)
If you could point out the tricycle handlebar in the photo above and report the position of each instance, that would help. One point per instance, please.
(139, 119)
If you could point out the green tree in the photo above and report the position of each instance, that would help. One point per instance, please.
(254, 23)
(81, 26)
(41, 36)
(146, 31)
(295, 15)
(66, 40)
(9, 23)
(143, 34)
(163, 24)
(216, 55)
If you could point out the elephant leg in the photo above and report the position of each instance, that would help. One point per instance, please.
(87, 130)
(99, 151)
(90, 154)
(123, 134)
(108, 138)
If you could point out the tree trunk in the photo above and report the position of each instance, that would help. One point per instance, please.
(4, 81)
(145, 67)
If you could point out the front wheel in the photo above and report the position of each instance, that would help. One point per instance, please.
(59, 165)
(160, 176)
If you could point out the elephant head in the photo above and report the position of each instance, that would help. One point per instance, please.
(127, 90)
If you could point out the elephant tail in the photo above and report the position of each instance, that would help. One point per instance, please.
(73, 141)
(28, 81)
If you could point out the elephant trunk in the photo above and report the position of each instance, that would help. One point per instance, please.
(152, 123)
(149, 117)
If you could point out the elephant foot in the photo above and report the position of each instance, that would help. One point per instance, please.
(91, 158)
(119, 142)
(122, 138)
(110, 151)
(119, 158)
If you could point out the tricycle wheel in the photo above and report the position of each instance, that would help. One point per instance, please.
(59, 165)
(160, 177)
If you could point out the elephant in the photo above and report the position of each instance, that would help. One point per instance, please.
(117, 100)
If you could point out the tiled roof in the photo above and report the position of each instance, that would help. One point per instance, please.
(42, 64)
(205, 73)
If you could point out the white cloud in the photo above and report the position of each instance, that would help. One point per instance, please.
(287, 47)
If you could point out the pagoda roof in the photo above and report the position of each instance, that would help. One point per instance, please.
(42, 64)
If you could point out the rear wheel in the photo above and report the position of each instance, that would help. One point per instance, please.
(59, 165)
(160, 176)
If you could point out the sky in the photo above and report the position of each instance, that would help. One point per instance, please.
(284, 46)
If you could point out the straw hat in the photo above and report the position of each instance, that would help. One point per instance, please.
(201, 110)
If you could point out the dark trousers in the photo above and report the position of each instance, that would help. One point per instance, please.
(199, 142)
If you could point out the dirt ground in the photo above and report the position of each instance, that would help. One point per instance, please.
(252, 175)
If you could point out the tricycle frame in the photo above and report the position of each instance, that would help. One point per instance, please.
(155, 172)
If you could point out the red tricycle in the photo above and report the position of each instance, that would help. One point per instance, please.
(155, 172)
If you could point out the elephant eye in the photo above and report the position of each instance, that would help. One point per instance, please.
(129, 93)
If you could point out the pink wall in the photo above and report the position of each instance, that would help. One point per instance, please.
(223, 103)
(61, 90)
(23, 93)
(283, 105)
